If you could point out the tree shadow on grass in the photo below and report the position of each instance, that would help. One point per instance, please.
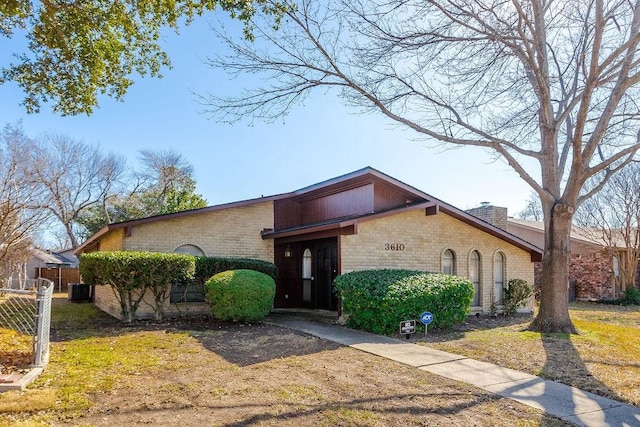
(245, 345)
(416, 408)
(565, 365)
(239, 343)
(474, 323)
(568, 391)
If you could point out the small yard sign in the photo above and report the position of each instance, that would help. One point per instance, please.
(408, 327)
(426, 318)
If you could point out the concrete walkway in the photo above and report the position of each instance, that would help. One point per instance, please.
(568, 403)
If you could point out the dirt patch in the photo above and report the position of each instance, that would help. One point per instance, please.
(244, 375)
(204, 372)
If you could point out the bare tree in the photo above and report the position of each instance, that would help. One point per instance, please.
(533, 210)
(612, 217)
(75, 176)
(168, 183)
(164, 184)
(21, 215)
(537, 82)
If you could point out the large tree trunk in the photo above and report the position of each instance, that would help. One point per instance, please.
(553, 315)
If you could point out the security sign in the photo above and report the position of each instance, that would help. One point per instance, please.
(408, 327)
(426, 318)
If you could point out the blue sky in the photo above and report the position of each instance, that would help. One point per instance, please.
(316, 141)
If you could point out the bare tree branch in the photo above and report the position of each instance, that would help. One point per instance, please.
(534, 82)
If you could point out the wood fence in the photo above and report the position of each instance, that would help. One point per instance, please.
(61, 277)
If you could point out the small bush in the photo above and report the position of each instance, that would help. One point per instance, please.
(206, 267)
(131, 274)
(631, 297)
(516, 295)
(378, 300)
(244, 295)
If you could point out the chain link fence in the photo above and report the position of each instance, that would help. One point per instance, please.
(28, 312)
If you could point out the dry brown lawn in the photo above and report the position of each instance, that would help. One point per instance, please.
(204, 373)
(603, 359)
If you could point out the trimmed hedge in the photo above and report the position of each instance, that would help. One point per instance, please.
(207, 267)
(378, 300)
(244, 295)
(131, 274)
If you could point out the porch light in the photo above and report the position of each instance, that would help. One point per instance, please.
(287, 252)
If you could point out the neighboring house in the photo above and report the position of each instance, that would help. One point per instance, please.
(593, 269)
(59, 267)
(362, 220)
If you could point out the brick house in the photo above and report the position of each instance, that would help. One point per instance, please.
(592, 271)
(362, 220)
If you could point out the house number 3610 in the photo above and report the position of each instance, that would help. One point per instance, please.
(393, 247)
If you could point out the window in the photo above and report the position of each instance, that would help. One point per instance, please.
(181, 292)
(498, 277)
(189, 250)
(448, 262)
(307, 276)
(474, 276)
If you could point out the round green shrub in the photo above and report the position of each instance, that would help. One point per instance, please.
(378, 300)
(242, 295)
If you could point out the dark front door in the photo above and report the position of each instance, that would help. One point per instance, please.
(319, 268)
(326, 271)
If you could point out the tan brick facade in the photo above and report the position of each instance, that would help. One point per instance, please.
(418, 243)
(362, 220)
(112, 241)
(103, 296)
(233, 232)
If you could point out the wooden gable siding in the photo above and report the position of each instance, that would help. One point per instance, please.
(389, 198)
(355, 201)
(368, 197)
(287, 214)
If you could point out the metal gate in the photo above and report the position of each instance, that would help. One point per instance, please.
(28, 312)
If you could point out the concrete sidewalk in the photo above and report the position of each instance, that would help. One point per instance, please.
(568, 403)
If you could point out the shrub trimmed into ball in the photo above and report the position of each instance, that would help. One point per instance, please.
(240, 295)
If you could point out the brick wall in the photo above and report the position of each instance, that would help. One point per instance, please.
(593, 276)
(104, 297)
(424, 239)
(233, 232)
(494, 215)
(112, 241)
(590, 277)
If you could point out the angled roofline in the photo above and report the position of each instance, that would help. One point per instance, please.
(50, 257)
(150, 219)
(536, 252)
(574, 236)
(368, 170)
(430, 203)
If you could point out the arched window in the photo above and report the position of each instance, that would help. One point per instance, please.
(307, 275)
(189, 250)
(187, 292)
(474, 276)
(448, 262)
(498, 277)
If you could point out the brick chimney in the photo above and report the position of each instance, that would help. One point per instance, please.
(494, 215)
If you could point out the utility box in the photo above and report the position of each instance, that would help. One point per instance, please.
(80, 292)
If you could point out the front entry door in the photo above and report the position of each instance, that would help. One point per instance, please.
(326, 272)
(319, 269)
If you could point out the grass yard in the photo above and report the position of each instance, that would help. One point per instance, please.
(603, 359)
(16, 351)
(205, 373)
